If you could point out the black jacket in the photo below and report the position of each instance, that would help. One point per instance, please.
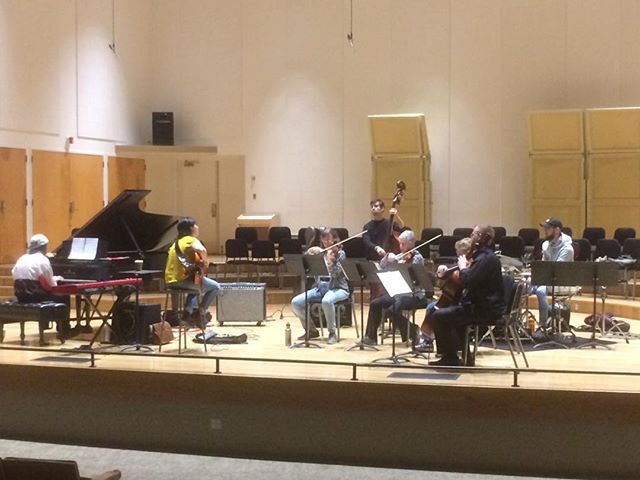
(482, 281)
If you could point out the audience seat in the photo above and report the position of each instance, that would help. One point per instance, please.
(462, 232)
(278, 233)
(36, 469)
(581, 250)
(248, 234)
(529, 236)
(621, 234)
(512, 247)
(593, 234)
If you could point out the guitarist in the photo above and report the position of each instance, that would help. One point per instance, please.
(186, 258)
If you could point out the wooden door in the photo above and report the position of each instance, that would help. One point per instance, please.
(613, 186)
(387, 171)
(50, 177)
(13, 197)
(125, 173)
(67, 191)
(86, 187)
(198, 197)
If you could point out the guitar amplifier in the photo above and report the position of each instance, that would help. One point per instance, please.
(241, 302)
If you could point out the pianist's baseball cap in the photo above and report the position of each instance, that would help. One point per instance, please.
(37, 241)
(551, 222)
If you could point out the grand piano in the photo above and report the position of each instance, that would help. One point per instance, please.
(125, 234)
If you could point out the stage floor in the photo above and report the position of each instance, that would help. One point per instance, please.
(267, 342)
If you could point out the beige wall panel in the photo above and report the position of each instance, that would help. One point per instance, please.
(556, 131)
(398, 135)
(231, 196)
(125, 173)
(50, 179)
(613, 129)
(13, 212)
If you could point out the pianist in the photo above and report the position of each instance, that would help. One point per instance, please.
(33, 278)
(176, 276)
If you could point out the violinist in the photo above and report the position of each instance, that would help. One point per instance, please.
(463, 247)
(377, 230)
(482, 298)
(329, 290)
(394, 306)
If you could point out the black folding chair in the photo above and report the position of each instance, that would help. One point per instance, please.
(621, 234)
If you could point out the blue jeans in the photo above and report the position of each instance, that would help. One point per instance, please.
(209, 289)
(329, 299)
(543, 305)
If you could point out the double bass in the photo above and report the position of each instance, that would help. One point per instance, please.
(391, 244)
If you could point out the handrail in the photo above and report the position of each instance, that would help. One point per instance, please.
(515, 371)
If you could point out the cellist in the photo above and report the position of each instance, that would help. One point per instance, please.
(394, 306)
(482, 299)
(463, 247)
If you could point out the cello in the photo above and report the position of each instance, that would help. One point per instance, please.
(451, 292)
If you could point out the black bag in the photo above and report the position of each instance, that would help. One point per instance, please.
(610, 322)
(213, 338)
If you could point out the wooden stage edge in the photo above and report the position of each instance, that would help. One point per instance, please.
(566, 425)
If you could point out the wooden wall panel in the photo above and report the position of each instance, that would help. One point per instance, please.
(613, 130)
(387, 171)
(67, 191)
(558, 189)
(13, 211)
(558, 131)
(125, 173)
(613, 188)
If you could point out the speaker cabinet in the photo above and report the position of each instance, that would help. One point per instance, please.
(124, 325)
(162, 128)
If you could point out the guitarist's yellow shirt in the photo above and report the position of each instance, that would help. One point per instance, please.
(174, 270)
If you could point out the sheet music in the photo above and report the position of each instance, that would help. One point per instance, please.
(394, 283)
(83, 249)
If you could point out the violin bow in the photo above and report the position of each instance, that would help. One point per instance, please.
(343, 241)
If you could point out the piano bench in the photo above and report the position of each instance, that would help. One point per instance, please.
(45, 313)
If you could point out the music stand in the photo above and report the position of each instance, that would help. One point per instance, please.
(421, 279)
(603, 274)
(313, 266)
(293, 265)
(360, 275)
(406, 278)
(139, 342)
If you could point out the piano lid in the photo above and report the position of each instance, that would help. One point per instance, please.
(126, 228)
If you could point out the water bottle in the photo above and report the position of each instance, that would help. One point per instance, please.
(531, 323)
(287, 335)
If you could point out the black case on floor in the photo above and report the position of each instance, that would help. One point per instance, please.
(124, 319)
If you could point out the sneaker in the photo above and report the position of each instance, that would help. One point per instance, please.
(425, 346)
(312, 334)
(332, 340)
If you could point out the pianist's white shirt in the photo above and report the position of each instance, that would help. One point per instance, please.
(33, 266)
